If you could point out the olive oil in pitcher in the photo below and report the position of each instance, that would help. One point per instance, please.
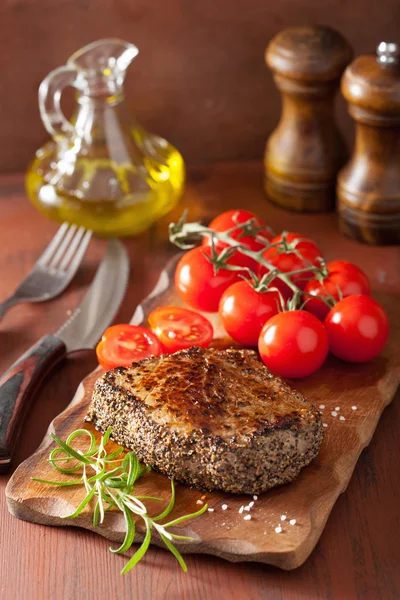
(101, 170)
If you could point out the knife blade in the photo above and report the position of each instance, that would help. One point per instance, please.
(81, 330)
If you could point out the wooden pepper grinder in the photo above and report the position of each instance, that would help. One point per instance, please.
(369, 185)
(306, 150)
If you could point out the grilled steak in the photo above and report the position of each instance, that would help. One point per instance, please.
(213, 419)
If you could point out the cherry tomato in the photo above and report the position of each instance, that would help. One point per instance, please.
(196, 282)
(343, 276)
(305, 252)
(293, 344)
(243, 311)
(178, 328)
(231, 218)
(121, 345)
(357, 328)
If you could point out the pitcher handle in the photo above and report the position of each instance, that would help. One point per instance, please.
(50, 91)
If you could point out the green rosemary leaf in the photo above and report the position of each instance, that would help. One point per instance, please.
(96, 515)
(149, 498)
(82, 432)
(186, 517)
(70, 450)
(129, 535)
(115, 483)
(170, 506)
(65, 470)
(140, 552)
(106, 436)
(58, 483)
(175, 552)
(143, 471)
(115, 454)
(105, 475)
(133, 470)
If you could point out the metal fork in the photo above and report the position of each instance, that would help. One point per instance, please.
(54, 269)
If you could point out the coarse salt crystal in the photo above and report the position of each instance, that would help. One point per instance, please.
(210, 510)
(241, 509)
(337, 407)
(324, 424)
(251, 504)
(255, 497)
(292, 521)
(247, 517)
(354, 408)
(334, 413)
(199, 502)
(322, 406)
(278, 529)
(342, 418)
(283, 518)
(224, 506)
(247, 508)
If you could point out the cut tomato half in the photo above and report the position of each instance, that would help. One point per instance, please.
(121, 345)
(179, 328)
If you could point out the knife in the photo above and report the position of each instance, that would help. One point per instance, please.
(81, 330)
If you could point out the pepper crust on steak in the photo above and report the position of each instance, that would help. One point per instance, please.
(213, 419)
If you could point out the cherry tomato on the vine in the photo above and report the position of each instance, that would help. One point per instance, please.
(231, 218)
(121, 345)
(357, 328)
(196, 282)
(178, 328)
(305, 253)
(343, 276)
(293, 344)
(243, 311)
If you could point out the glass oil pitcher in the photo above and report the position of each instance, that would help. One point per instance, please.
(101, 170)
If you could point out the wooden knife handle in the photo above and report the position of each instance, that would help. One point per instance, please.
(17, 387)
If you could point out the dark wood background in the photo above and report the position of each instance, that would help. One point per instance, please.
(200, 78)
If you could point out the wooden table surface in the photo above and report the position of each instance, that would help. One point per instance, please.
(358, 555)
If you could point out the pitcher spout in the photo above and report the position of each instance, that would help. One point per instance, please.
(104, 57)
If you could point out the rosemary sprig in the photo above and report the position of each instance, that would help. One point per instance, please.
(185, 236)
(109, 481)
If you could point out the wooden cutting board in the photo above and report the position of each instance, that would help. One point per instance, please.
(357, 393)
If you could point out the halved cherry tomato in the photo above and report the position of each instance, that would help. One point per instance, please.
(305, 252)
(293, 344)
(357, 328)
(121, 345)
(231, 218)
(179, 328)
(343, 276)
(243, 311)
(196, 282)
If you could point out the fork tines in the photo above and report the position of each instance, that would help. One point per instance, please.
(66, 249)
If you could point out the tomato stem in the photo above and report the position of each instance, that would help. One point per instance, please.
(185, 235)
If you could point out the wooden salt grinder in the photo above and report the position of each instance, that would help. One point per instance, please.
(368, 188)
(306, 150)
